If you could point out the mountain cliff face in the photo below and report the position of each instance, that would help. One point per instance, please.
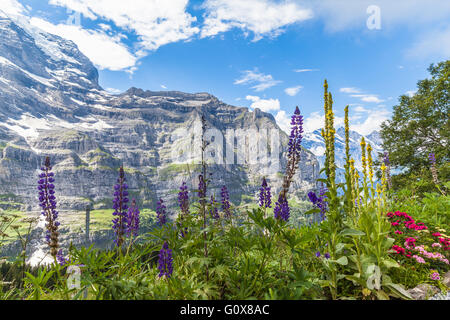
(52, 105)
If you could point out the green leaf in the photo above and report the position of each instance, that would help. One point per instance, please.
(343, 261)
(352, 232)
(399, 291)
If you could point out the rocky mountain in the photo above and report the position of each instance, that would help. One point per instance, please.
(314, 142)
(51, 104)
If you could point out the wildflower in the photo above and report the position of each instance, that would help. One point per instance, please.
(419, 259)
(201, 188)
(282, 210)
(213, 210)
(183, 199)
(327, 255)
(435, 275)
(410, 242)
(398, 249)
(47, 201)
(165, 261)
(436, 234)
(264, 195)
(319, 202)
(294, 148)
(225, 201)
(387, 163)
(370, 167)
(133, 218)
(60, 257)
(318, 254)
(120, 208)
(398, 232)
(161, 212)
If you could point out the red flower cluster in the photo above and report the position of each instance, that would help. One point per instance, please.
(398, 249)
(445, 242)
(410, 242)
(409, 222)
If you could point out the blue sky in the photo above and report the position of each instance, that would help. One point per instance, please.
(258, 53)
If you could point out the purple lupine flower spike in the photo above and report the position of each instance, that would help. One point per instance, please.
(201, 187)
(213, 211)
(165, 261)
(264, 195)
(133, 218)
(313, 197)
(294, 149)
(120, 222)
(225, 202)
(282, 210)
(432, 158)
(47, 201)
(161, 212)
(183, 199)
(295, 139)
(61, 259)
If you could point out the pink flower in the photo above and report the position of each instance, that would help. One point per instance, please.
(398, 232)
(435, 276)
(419, 259)
(436, 234)
(434, 245)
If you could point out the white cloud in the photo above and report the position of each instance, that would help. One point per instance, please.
(261, 81)
(155, 22)
(261, 17)
(359, 109)
(373, 121)
(105, 51)
(411, 93)
(305, 70)
(11, 7)
(163, 86)
(349, 90)
(434, 44)
(372, 98)
(293, 91)
(283, 121)
(342, 15)
(265, 105)
(357, 93)
(316, 121)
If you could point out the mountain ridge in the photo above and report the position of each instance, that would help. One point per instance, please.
(58, 109)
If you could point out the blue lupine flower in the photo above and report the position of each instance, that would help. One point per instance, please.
(133, 218)
(120, 223)
(225, 202)
(282, 210)
(47, 201)
(183, 199)
(264, 195)
(432, 158)
(165, 261)
(60, 257)
(295, 139)
(213, 210)
(161, 212)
